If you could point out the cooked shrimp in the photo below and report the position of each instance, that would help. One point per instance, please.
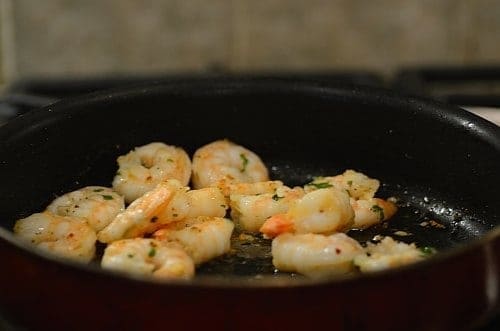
(371, 211)
(388, 253)
(98, 205)
(269, 186)
(315, 255)
(207, 201)
(144, 167)
(65, 236)
(166, 203)
(250, 210)
(322, 211)
(140, 256)
(204, 238)
(222, 163)
(357, 184)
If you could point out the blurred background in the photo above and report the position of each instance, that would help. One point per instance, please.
(447, 49)
(94, 37)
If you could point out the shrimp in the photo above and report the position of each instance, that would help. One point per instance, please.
(144, 167)
(371, 211)
(222, 163)
(204, 238)
(256, 188)
(251, 210)
(140, 256)
(388, 253)
(168, 202)
(322, 211)
(207, 201)
(98, 205)
(357, 184)
(361, 189)
(64, 236)
(315, 255)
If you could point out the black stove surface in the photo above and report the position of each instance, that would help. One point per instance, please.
(26, 94)
(472, 86)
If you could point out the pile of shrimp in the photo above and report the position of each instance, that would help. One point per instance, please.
(154, 224)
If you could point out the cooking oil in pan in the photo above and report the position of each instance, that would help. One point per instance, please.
(419, 220)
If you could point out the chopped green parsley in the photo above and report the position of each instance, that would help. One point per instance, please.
(378, 210)
(426, 250)
(98, 190)
(320, 185)
(245, 162)
(107, 197)
(152, 252)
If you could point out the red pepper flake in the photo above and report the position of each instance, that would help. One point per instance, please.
(338, 251)
(154, 219)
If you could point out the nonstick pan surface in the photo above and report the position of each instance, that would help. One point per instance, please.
(440, 162)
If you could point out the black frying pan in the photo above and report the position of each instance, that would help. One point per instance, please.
(440, 162)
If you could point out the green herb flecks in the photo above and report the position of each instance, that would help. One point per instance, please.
(98, 190)
(320, 185)
(349, 182)
(107, 197)
(152, 252)
(244, 161)
(276, 197)
(130, 256)
(170, 160)
(378, 210)
(427, 250)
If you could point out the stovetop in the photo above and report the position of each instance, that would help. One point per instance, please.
(476, 89)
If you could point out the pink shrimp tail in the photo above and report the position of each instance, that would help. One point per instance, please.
(276, 225)
(389, 207)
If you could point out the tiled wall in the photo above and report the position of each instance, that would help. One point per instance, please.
(59, 37)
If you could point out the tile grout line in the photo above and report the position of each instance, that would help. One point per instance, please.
(9, 63)
(469, 42)
(239, 37)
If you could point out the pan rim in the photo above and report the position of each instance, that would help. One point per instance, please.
(251, 282)
(233, 86)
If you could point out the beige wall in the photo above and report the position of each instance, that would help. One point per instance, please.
(58, 37)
